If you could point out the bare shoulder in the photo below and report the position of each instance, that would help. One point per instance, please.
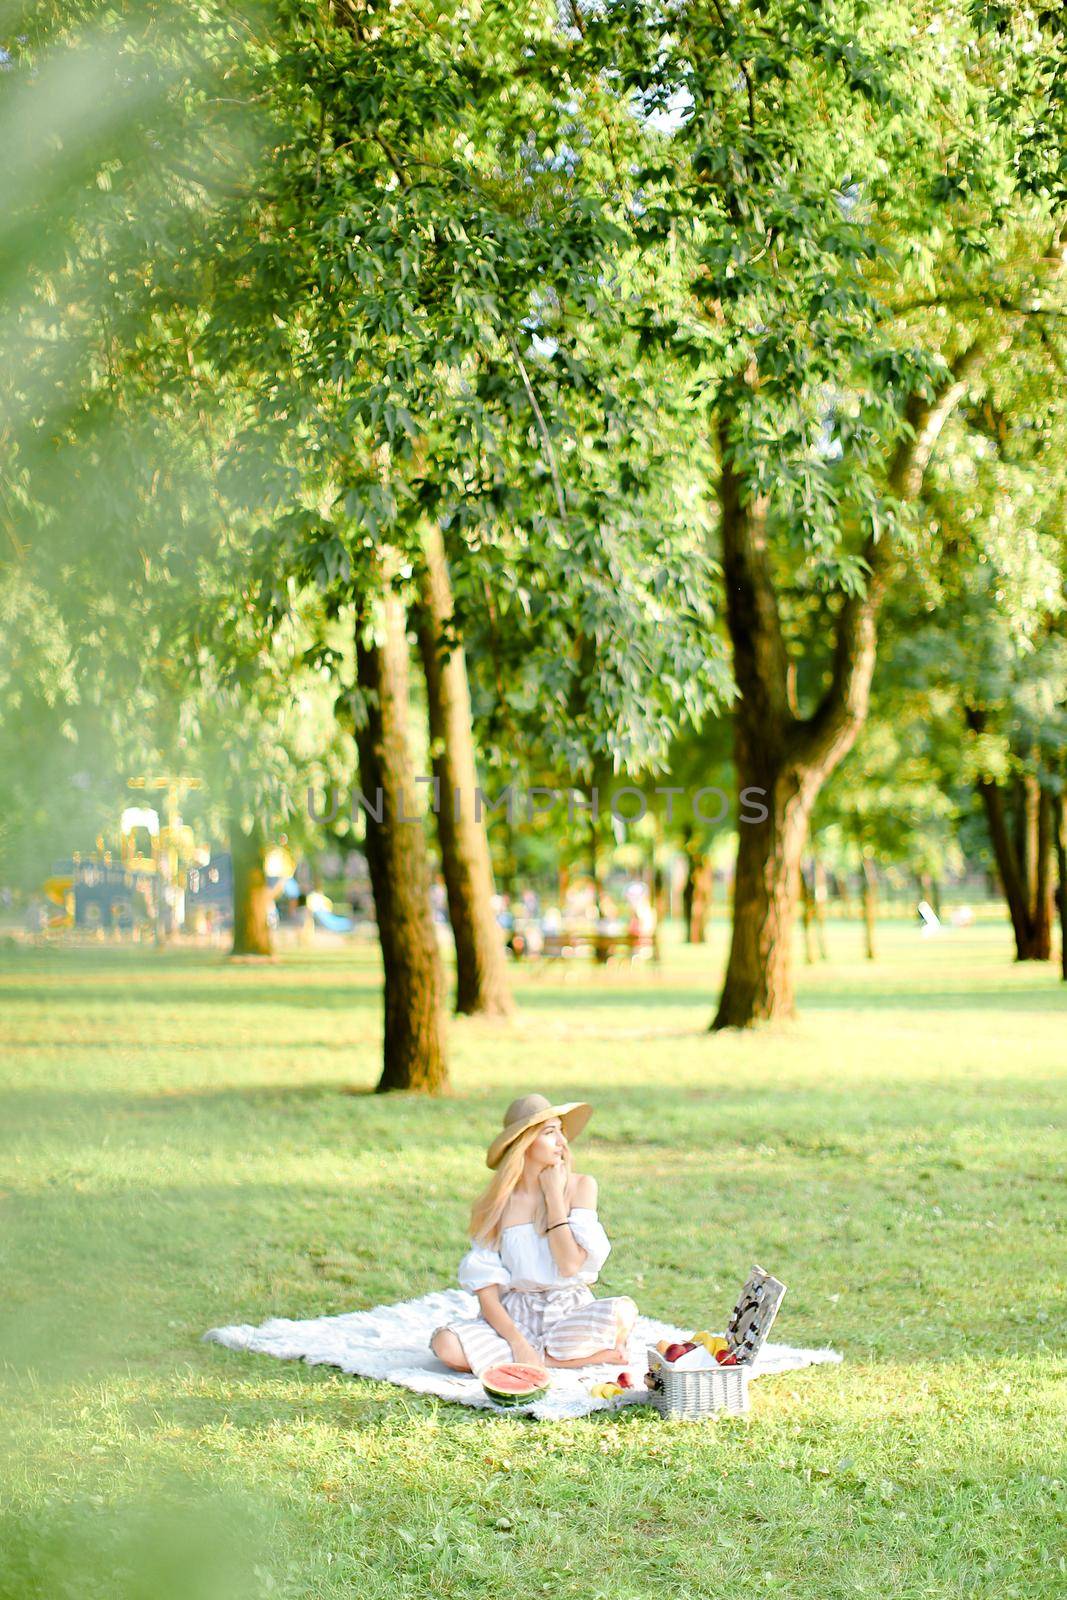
(583, 1191)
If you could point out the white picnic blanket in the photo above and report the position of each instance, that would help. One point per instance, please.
(392, 1342)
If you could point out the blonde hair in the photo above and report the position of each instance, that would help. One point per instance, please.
(488, 1209)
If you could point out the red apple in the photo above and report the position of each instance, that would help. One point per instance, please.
(688, 1345)
(726, 1358)
(625, 1380)
(673, 1351)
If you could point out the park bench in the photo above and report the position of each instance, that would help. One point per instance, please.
(565, 946)
(601, 948)
(631, 947)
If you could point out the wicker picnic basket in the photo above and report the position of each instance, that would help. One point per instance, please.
(711, 1391)
(694, 1395)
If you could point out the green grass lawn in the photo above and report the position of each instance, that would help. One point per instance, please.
(184, 1143)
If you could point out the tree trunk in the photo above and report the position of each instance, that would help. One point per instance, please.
(787, 756)
(481, 973)
(930, 891)
(594, 862)
(807, 900)
(870, 903)
(818, 903)
(1060, 814)
(1043, 881)
(251, 897)
(696, 896)
(780, 769)
(508, 860)
(759, 973)
(414, 1055)
(1026, 882)
(781, 761)
(659, 893)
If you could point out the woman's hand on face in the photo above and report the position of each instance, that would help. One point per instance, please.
(553, 1180)
(523, 1350)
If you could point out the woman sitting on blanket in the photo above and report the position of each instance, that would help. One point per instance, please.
(536, 1246)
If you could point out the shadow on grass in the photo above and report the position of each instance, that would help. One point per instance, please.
(1002, 995)
(673, 1106)
(695, 1123)
(186, 1047)
(64, 981)
(257, 1394)
(360, 994)
(994, 997)
(24, 1105)
(260, 1393)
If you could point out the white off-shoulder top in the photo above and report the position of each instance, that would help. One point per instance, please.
(525, 1260)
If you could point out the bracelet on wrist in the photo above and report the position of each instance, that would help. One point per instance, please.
(562, 1224)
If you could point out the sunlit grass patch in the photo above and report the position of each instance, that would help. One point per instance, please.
(185, 1144)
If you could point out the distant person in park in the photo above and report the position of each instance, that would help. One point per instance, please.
(36, 916)
(439, 901)
(514, 938)
(608, 920)
(503, 911)
(642, 912)
(536, 1246)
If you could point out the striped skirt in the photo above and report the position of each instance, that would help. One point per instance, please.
(566, 1322)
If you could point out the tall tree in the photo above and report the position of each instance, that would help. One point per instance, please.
(783, 754)
(858, 223)
(1061, 871)
(481, 976)
(993, 611)
(396, 856)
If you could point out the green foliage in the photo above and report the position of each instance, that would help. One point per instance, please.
(282, 282)
(991, 583)
(892, 803)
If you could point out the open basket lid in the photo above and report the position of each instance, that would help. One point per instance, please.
(752, 1316)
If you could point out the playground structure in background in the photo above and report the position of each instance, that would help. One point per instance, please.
(160, 879)
(161, 882)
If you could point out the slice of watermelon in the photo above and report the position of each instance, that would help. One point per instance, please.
(515, 1383)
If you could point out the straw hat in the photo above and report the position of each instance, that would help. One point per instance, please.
(526, 1112)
